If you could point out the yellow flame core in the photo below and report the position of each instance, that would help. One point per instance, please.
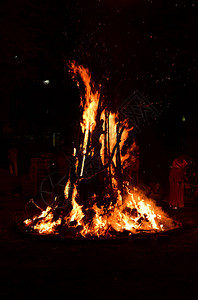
(133, 213)
(76, 214)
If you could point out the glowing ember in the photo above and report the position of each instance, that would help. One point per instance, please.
(114, 205)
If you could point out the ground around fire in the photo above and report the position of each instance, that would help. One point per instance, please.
(38, 268)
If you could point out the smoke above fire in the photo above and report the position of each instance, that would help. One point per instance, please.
(99, 198)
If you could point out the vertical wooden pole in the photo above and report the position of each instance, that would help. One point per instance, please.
(109, 150)
(118, 162)
(106, 138)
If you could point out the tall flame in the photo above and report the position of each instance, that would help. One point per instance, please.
(89, 105)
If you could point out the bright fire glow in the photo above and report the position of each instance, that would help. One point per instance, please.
(132, 211)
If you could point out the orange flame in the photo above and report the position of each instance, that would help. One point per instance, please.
(90, 106)
(76, 214)
(45, 223)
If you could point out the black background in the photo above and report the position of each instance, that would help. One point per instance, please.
(150, 46)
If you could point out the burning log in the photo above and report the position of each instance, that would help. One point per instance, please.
(118, 162)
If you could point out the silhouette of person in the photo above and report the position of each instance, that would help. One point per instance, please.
(176, 180)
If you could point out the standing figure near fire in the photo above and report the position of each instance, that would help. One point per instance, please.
(12, 157)
(176, 180)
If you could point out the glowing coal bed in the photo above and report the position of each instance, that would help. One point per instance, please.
(134, 216)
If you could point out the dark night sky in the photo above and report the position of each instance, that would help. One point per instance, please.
(128, 45)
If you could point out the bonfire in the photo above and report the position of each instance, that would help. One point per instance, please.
(99, 198)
